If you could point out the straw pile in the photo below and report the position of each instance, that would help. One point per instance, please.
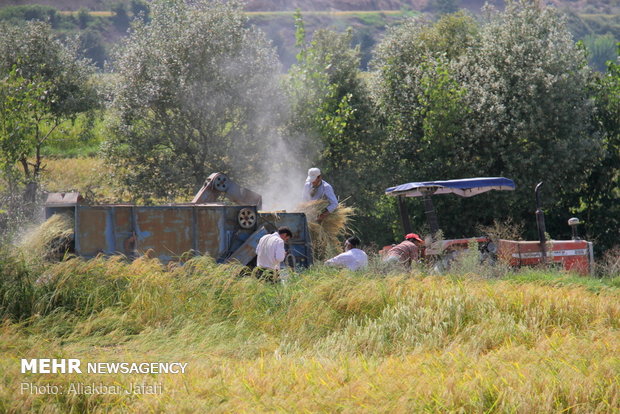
(325, 235)
(50, 240)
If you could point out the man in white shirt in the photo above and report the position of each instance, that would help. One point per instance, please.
(317, 189)
(353, 257)
(271, 253)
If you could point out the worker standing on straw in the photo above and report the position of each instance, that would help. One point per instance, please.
(317, 189)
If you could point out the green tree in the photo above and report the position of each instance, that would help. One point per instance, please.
(418, 95)
(510, 99)
(331, 108)
(531, 114)
(44, 86)
(140, 9)
(91, 47)
(422, 103)
(196, 93)
(596, 199)
(16, 14)
(21, 102)
(84, 18)
(120, 19)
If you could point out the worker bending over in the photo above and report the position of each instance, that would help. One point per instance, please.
(407, 252)
(317, 189)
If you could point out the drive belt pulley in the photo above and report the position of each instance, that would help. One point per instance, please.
(246, 218)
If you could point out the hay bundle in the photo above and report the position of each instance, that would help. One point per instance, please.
(325, 235)
(50, 240)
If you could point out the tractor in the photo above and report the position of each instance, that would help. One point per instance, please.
(572, 255)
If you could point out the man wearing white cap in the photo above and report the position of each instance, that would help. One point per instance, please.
(317, 189)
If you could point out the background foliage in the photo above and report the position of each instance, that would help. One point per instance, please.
(195, 92)
(44, 86)
(196, 89)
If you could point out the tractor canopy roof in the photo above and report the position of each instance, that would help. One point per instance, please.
(466, 187)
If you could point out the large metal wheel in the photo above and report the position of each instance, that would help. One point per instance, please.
(246, 218)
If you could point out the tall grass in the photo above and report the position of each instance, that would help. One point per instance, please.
(328, 340)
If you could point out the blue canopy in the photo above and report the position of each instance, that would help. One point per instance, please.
(466, 187)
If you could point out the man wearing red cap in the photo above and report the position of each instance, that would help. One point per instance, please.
(406, 252)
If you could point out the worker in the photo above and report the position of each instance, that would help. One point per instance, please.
(407, 252)
(317, 189)
(270, 253)
(353, 257)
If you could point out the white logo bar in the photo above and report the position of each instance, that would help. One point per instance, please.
(555, 253)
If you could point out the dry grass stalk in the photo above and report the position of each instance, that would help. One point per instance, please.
(325, 235)
(51, 239)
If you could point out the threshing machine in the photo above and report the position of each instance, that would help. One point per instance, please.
(223, 231)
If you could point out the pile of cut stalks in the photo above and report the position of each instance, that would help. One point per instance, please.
(327, 234)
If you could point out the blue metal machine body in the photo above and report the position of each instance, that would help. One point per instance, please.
(169, 231)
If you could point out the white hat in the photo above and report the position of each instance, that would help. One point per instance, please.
(312, 174)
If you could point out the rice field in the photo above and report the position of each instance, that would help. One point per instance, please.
(328, 340)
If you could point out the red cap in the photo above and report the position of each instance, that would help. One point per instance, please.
(413, 236)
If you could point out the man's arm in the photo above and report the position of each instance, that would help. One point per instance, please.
(305, 193)
(331, 198)
(338, 261)
(280, 253)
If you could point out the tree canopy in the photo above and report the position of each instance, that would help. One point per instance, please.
(331, 106)
(43, 83)
(195, 89)
(196, 92)
(508, 98)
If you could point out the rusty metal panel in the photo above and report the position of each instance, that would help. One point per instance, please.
(572, 254)
(247, 251)
(167, 230)
(209, 230)
(173, 230)
(92, 225)
(300, 245)
(123, 229)
(63, 199)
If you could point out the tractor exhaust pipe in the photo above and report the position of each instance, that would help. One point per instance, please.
(573, 222)
(540, 222)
